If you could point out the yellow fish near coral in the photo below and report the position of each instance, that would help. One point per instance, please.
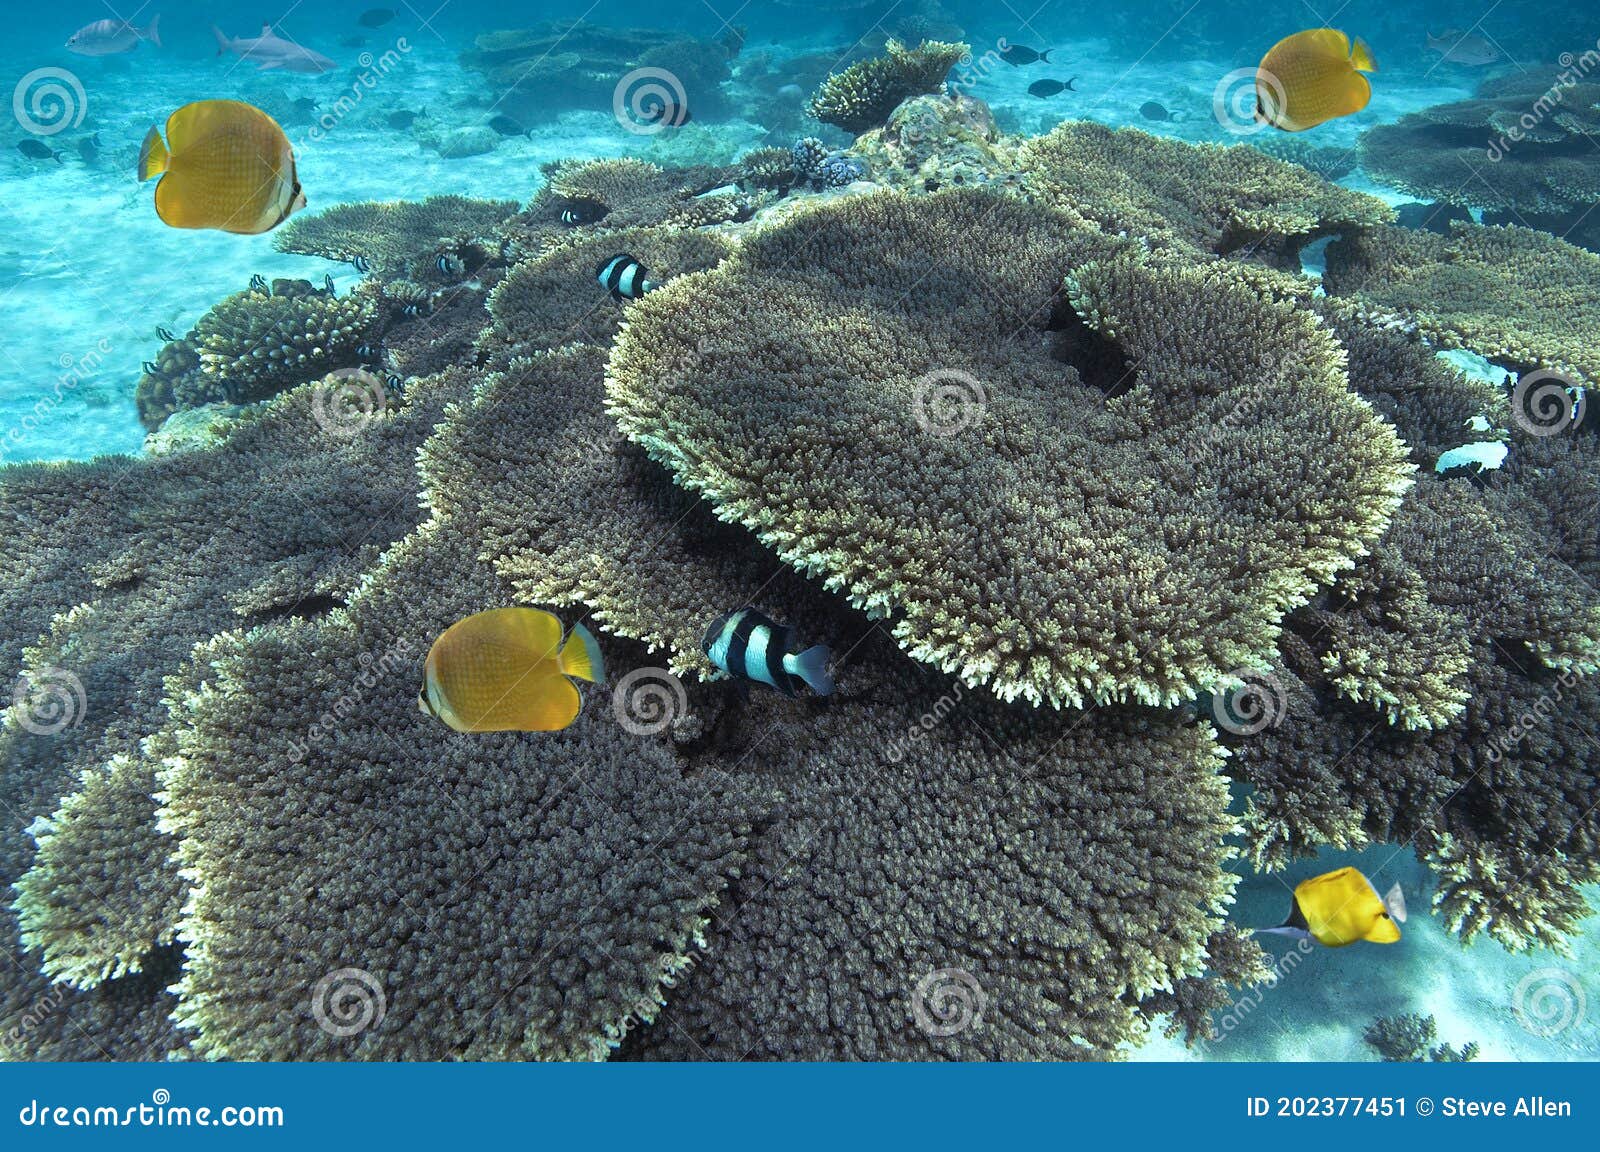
(506, 670)
(1341, 907)
(224, 165)
(1313, 77)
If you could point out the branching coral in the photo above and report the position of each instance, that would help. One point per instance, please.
(252, 346)
(1410, 1038)
(909, 426)
(137, 561)
(1519, 297)
(863, 95)
(393, 238)
(556, 299)
(1523, 145)
(1225, 200)
(630, 193)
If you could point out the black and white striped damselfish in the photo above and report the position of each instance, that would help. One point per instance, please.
(747, 645)
(624, 277)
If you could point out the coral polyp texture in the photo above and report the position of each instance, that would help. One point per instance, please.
(1516, 296)
(865, 93)
(1153, 461)
(393, 238)
(1234, 200)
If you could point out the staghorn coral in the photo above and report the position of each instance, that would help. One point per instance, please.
(982, 373)
(393, 238)
(628, 193)
(769, 168)
(863, 95)
(1224, 200)
(1515, 296)
(252, 346)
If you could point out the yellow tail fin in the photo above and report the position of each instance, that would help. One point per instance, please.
(1361, 57)
(581, 656)
(152, 155)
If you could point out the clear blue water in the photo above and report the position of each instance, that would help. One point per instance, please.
(88, 272)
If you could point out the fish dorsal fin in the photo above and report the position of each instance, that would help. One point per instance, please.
(1361, 58)
(266, 31)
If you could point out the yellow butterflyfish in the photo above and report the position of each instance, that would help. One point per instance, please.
(507, 670)
(224, 165)
(1313, 77)
(1341, 907)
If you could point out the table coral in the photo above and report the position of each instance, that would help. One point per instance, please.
(1092, 460)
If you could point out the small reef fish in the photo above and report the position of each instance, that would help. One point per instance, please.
(404, 118)
(581, 213)
(224, 165)
(1313, 77)
(624, 277)
(1341, 907)
(1044, 89)
(1457, 47)
(112, 37)
(258, 283)
(270, 51)
(449, 264)
(352, 41)
(1019, 54)
(506, 126)
(507, 670)
(1150, 110)
(89, 149)
(748, 646)
(165, 334)
(35, 150)
(361, 264)
(375, 17)
(668, 115)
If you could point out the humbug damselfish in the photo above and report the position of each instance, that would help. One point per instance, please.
(748, 645)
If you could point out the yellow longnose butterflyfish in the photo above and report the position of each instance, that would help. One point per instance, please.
(507, 670)
(1341, 907)
(224, 165)
(1312, 77)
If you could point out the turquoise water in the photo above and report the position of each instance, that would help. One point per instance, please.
(88, 273)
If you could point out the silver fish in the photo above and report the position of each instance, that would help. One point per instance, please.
(111, 37)
(272, 51)
(1463, 48)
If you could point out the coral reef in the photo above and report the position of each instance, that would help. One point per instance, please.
(1060, 463)
(1410, 1038)
(1516, 296)
(982, 373)
(1522, 147)
(1222, 200)
(394, 238)
(1329, 163)
(864, 94)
